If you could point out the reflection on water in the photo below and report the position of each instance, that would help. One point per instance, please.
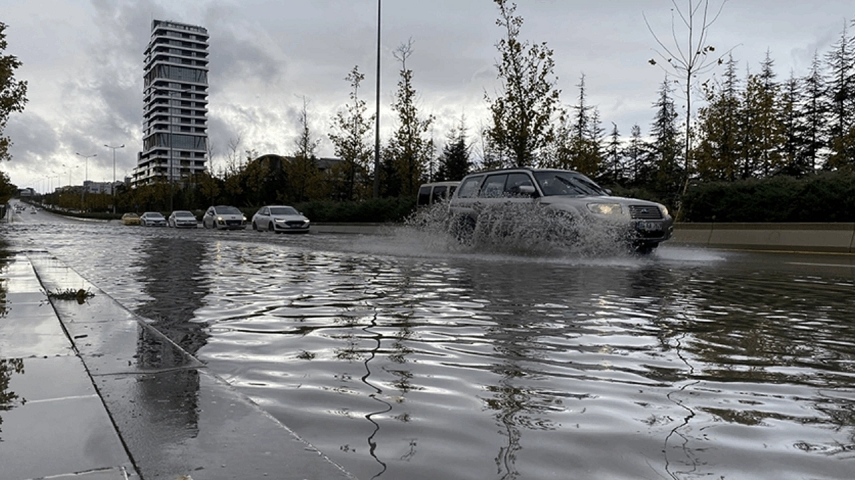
(399, 358)
(8, 366)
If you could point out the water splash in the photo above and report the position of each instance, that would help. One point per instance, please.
(528, 229)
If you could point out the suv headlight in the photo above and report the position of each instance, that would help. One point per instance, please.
(664, 210)
(605, 208)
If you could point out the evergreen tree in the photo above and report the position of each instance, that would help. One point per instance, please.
(813, 113)
(614, 157)
(768, 124)
(585, 137)
(666, 146)
(841, 95)
(792, 151)
(523, 113)
(409, 149)
(636, 158)
(454, 162)
(717, 152)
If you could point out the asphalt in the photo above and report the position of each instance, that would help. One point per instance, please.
(90, 391)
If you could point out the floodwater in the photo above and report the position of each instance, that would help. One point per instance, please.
(400, 357)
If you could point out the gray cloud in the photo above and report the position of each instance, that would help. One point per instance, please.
(84, 61)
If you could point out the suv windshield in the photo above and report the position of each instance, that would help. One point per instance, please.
(567, 183)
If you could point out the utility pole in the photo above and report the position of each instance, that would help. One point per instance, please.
(113, 185)
(377, 115)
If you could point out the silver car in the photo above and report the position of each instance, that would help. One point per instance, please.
(514, 196)
(224, 217)
(152, 219)
(280, 219)
(182, 219)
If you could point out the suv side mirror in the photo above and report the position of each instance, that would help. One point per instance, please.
(526, 190)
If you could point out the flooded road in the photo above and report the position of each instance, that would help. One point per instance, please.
(401, 358)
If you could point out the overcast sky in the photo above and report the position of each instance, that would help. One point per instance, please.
(83, 61)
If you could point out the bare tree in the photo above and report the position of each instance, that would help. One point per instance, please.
(691, 57)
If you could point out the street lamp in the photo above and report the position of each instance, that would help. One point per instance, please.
(113, 185)
(377, 115)
(85, 176)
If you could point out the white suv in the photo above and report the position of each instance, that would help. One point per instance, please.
(483, 197)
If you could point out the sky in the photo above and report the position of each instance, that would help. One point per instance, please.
(83, 62)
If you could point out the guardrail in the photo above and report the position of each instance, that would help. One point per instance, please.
(804, 237)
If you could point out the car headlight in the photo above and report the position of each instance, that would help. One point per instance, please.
(605, 208)
(664, 210)
(220, 219)
(279, 220)
(244, 218)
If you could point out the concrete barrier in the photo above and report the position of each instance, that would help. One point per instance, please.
(805, 237)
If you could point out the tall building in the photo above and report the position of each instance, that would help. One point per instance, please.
(175, 110)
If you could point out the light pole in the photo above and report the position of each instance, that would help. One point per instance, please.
(85, 177)
(377, 115)
(113, 185)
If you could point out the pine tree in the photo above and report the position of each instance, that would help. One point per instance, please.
(814, 112)
(636, 157)
(841, 95)
(454, 162)
(666, 146)
(614, 156)
(585, 136)
(792, 151)
(718, 149)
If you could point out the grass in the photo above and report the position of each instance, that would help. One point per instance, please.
(71, 294)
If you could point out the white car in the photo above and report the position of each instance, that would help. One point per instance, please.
(280, 219)
(224, 217)
(182, 219)
(152, 219)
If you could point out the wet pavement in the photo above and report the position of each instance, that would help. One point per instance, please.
(89, 391)
(403, 357)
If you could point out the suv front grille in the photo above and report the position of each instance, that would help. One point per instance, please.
(644, 212)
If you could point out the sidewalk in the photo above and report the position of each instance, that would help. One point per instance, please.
(90, 391)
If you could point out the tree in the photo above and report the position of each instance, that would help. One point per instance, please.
(636, 157)
(666, 146)
(409, 150)
(585, 136)
(454, 162)
(350, 127)
(718, 150)
(522, 114)
(814, 112)
(791, 126)
(689, 60)
(13, 93)
(614, 156)
(301, 171)
(841, 99)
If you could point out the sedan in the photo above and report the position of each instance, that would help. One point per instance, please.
(182, 219)
(152, 219)
(224, 217)
(280, 219)
(131, 218)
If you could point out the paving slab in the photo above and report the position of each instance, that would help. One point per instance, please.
(173, 416)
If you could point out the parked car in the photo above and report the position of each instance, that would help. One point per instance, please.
(152, 219)
(131, 218)
(182, 219)
(224, 217)
(568, 194)
(280, 219)
(430, 193)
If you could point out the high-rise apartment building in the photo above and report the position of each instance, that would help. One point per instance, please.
(175, 111)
